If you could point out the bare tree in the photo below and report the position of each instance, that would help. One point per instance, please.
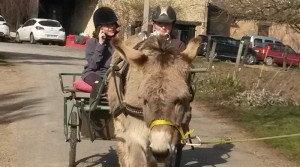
(17, 11)
(276, 11)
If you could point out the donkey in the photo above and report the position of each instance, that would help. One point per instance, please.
(156, 96)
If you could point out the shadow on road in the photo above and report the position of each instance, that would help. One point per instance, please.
(10, 105)
(106, 160)
(32, 58)
(218, 154)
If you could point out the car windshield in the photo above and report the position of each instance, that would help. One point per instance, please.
(246, 39)
(1, 19)
(50, 23)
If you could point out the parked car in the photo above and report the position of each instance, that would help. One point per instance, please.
(255, 40)
(41, 30)
(272, 53)
(226, 48)
(4, 29)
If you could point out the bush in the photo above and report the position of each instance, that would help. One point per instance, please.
(217, 88)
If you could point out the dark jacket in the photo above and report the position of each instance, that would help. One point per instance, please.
(98, 58)
(178, 45)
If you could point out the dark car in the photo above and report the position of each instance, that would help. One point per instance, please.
(226, 48)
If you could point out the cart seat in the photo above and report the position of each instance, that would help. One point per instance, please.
(73, 89)
(80, 85)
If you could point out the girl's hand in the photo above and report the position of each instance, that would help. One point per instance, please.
(102, 37)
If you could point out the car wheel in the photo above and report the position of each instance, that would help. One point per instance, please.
(269, 61)
(250, 59)
(17, 39)
(32, 40)
(62, 43)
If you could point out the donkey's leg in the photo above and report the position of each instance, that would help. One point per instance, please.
(137, 140)
(121, 152)
(133, 145)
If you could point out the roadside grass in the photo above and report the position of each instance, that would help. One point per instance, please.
(216, 88)
(275, 121)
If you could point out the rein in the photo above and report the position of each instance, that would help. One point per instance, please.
(125, 108)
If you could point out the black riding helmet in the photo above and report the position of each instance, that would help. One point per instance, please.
(164, 14)
(104, 15)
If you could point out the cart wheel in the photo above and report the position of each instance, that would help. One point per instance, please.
(73, 140)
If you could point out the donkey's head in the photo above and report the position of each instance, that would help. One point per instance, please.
(162, 90)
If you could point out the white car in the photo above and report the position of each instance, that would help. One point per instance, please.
(4, 29)
(41, 30)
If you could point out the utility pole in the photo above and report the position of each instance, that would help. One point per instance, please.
(146, 16)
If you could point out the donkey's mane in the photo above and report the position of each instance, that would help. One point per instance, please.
(165, 77)
(160, 48)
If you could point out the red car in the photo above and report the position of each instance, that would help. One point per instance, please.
(272, 53)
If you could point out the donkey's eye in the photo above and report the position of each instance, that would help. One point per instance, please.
(177, 101)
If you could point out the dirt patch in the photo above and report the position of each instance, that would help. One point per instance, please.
(11, 81)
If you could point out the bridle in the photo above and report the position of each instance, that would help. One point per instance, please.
(184, 136)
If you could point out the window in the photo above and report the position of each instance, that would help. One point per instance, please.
(290, 50)
(257, 41)
(268, 41)
(26, 23)
(276, 48)
(31, 22)
(246, 39)
(50, 23)
(233, 42)
(1, 19)
(263, 30)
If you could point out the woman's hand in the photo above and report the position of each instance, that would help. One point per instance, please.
(102, 37)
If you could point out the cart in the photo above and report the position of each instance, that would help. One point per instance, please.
(81, 119)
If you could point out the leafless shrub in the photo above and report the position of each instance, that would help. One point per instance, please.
(255, 98)
(276, 11)
(17, 11)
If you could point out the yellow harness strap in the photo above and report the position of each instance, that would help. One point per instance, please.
(184, 137)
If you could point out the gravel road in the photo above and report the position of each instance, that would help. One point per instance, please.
(31, 119)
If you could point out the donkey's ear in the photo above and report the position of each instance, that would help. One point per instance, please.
(191, 50)
(128, 52)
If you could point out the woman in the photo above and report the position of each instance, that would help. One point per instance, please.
(164, 18)
(98, 50)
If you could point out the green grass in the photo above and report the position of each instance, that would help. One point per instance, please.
(275, 121)
(216, 87)
(261, 121)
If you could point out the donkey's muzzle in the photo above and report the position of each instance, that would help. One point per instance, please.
(161, 156)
